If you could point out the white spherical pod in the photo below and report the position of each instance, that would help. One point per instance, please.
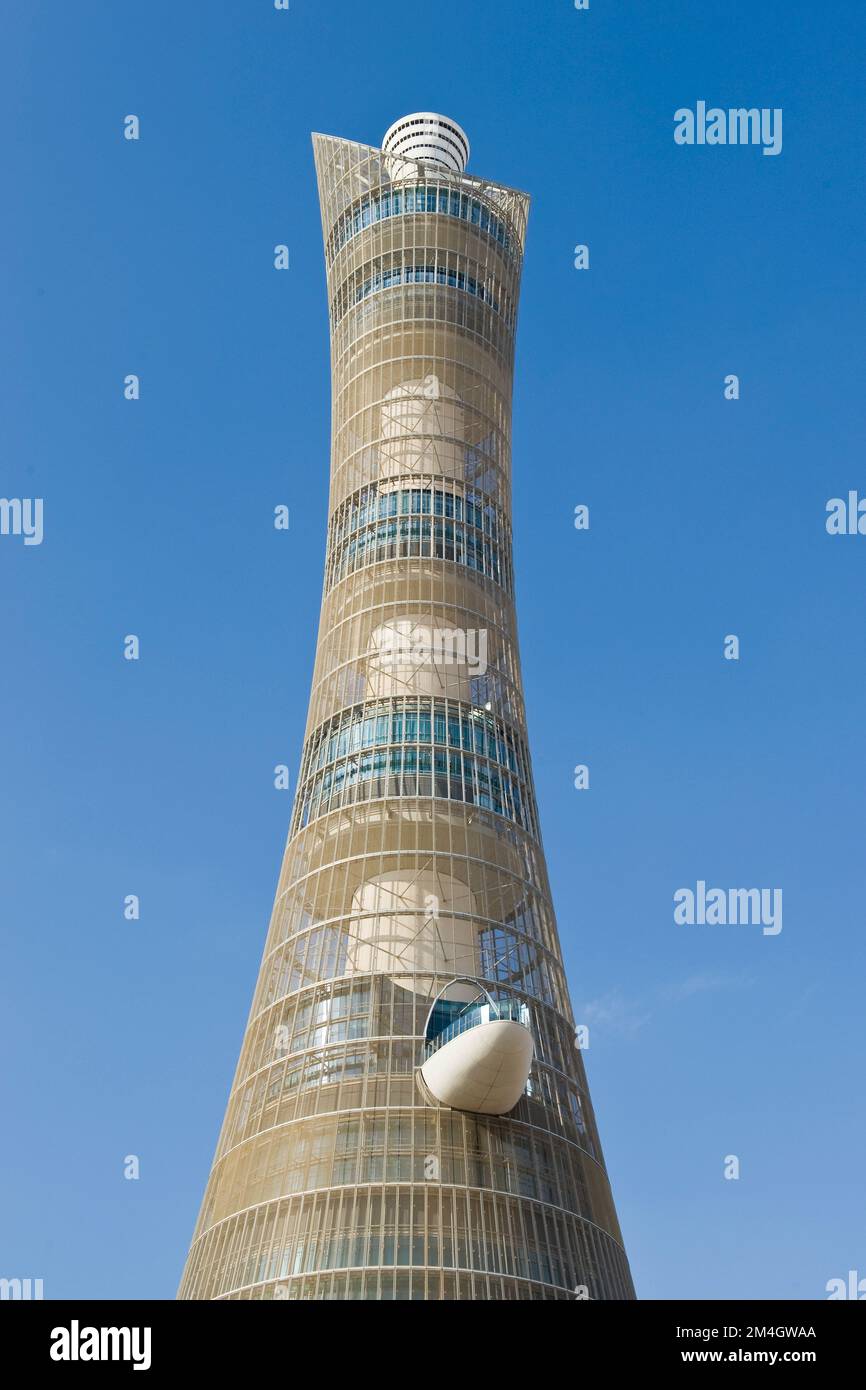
(484, 1070)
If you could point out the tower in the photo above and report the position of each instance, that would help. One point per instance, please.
(410, 1115)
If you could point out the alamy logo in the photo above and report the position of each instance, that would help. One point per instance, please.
(846, 518)
(711, 907)
(855, 1287)
(415, 645)
(22, 516)
(77, 1343)
(21, 1288)
(738, 126)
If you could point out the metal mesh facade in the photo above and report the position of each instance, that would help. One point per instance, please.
(414, 854)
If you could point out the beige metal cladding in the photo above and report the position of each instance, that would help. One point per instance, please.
(414, 854)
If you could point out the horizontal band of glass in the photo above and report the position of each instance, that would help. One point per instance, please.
(372, 504)
(487, 771)
(450, 1019)
(447, 202)
(421, 537)
(403, 773)
(414, 720)
(426, 275)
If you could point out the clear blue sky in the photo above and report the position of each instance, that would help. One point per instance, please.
(707, 518)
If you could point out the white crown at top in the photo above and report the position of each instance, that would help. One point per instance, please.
(429, 137)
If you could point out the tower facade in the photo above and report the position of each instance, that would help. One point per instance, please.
(410, 1116)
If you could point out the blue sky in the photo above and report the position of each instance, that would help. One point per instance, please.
(707, 518)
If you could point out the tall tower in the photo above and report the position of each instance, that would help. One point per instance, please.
(410, 1115)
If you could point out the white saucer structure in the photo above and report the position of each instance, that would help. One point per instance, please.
(480, 1062)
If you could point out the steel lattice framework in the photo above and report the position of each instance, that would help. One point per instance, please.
(414, 854)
